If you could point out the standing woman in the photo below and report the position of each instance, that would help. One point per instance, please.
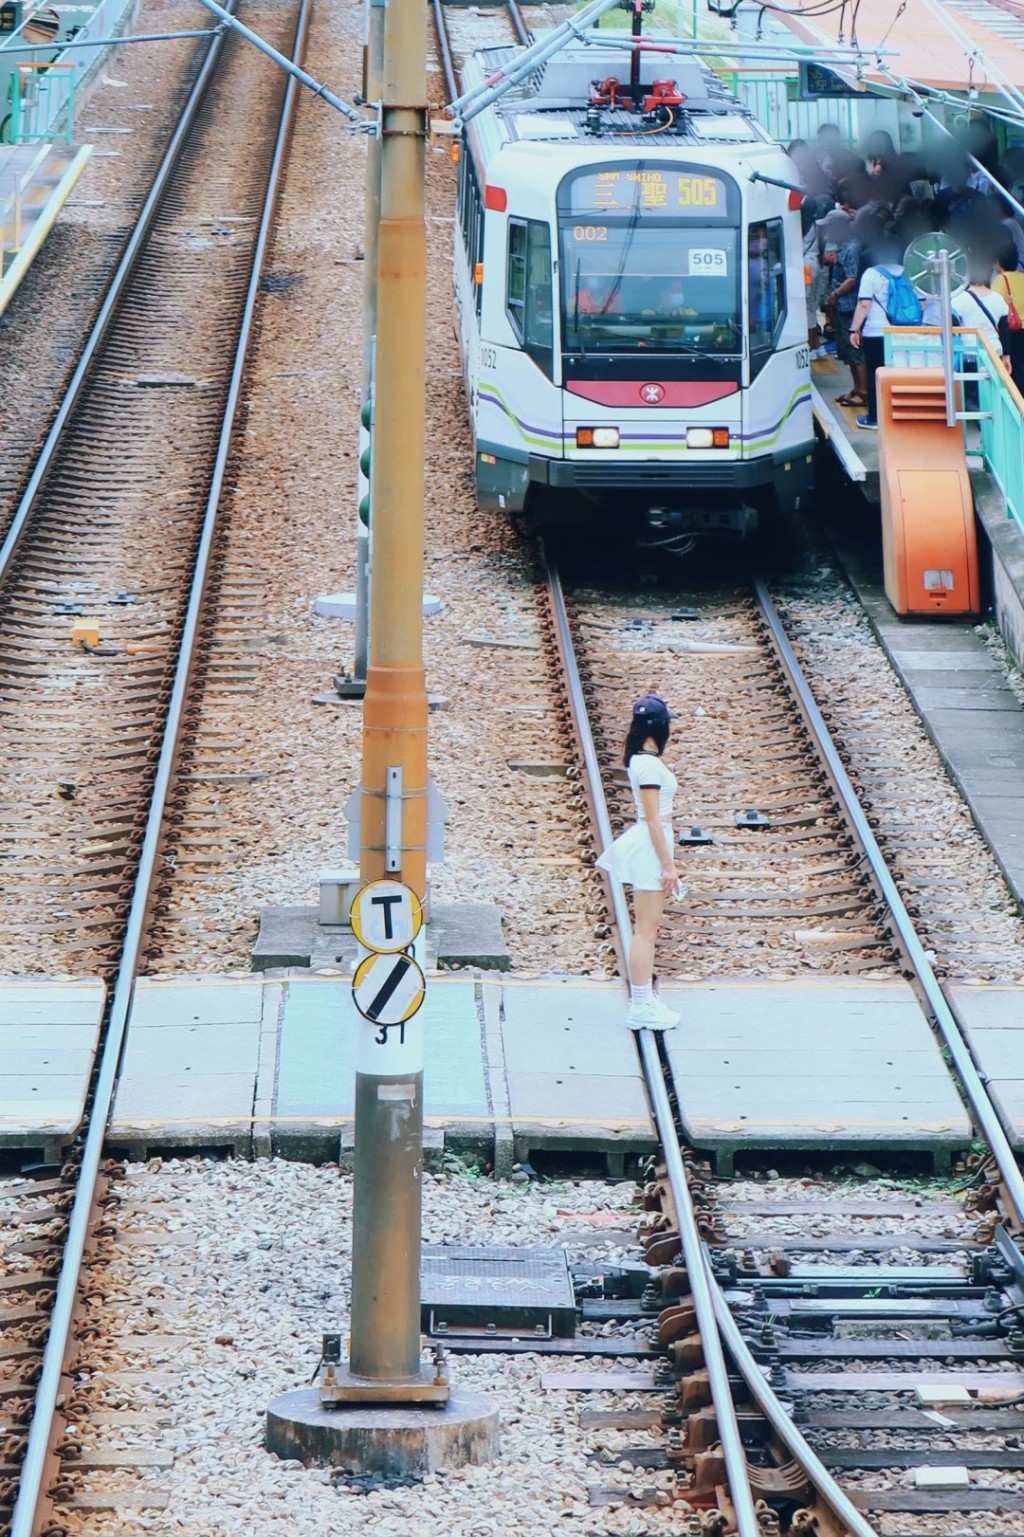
(642, 856)
(1009, 284)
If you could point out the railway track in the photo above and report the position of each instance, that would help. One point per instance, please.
(791, 1360)
(119, 523)
(65, 286)
(460, 32)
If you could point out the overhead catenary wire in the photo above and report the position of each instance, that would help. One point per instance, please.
(976, 54)
(580, 27)
(289, 66)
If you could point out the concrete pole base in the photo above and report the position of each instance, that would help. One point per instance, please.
(388, 1442)
(342, 605)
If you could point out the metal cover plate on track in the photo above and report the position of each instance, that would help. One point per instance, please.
(496, 1291)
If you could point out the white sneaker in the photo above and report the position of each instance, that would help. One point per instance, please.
(651, 1016)
(818, 354)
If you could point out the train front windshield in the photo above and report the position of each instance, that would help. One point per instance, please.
(649, 261)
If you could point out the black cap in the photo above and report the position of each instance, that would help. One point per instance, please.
(653, 710)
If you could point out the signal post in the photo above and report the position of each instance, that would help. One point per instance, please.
(383, 1410)
(384, 1357)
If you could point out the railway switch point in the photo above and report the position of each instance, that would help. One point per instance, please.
(388, 1442)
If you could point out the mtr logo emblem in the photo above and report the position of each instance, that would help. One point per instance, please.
(652, 394)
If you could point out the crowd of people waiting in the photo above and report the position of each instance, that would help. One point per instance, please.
(860, 213)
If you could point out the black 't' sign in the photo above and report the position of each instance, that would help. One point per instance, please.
(386, 902)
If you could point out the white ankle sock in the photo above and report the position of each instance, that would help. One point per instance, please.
(642, 993)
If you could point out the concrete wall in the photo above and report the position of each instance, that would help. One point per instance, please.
(1002, 549)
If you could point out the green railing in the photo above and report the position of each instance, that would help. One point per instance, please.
(1000, 406)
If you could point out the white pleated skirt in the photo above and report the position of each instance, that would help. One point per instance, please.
(633, 859)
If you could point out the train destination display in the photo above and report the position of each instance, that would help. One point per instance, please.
(676, 194)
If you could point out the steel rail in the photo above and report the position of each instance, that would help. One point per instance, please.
(445, 49)
(112, 298)
(519, 26)
(720, 1327)
(702, 1287)
(974, 1084)
(30, 1491)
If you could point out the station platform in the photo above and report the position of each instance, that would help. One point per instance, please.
(855, 448)
(48, 1036)
(976, 721)
(35, 183)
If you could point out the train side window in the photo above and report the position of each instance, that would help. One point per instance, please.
(515, 290)
(529, 290)
(766, 281)
(471, 217)
(540, 297)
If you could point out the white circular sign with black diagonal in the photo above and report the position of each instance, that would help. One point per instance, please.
(388, 989)
(386, 916)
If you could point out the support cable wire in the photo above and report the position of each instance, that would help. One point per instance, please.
(918, 92)
(289, 66)
(976, 54)
(111, 42)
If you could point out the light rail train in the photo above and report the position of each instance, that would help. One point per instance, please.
(630, 297)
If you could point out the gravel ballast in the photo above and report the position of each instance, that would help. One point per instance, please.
(244, 1267)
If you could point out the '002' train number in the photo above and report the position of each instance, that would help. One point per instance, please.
(590, 232)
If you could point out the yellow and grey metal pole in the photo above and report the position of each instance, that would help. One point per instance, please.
(373, 76)
(384, 1357)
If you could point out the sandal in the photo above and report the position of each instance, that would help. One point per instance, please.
(854, 398)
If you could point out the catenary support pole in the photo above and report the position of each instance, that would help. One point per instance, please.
(373, 74)
(385, 1341)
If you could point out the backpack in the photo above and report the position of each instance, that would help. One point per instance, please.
(902, 306)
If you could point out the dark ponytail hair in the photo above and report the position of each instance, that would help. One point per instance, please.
(639, 732)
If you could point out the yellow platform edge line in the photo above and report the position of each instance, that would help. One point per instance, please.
(42, 227)
(833, 433)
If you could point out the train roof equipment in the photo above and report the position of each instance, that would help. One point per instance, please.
(580, 96)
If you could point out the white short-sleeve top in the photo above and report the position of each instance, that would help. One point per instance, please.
(647, 772)
(983, 314)
(874, 285)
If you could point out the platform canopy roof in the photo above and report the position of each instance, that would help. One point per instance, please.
(931, 41)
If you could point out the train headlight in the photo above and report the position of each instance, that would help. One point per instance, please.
(597, 437)
(707, 437)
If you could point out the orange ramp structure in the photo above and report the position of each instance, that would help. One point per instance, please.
(929, 543)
